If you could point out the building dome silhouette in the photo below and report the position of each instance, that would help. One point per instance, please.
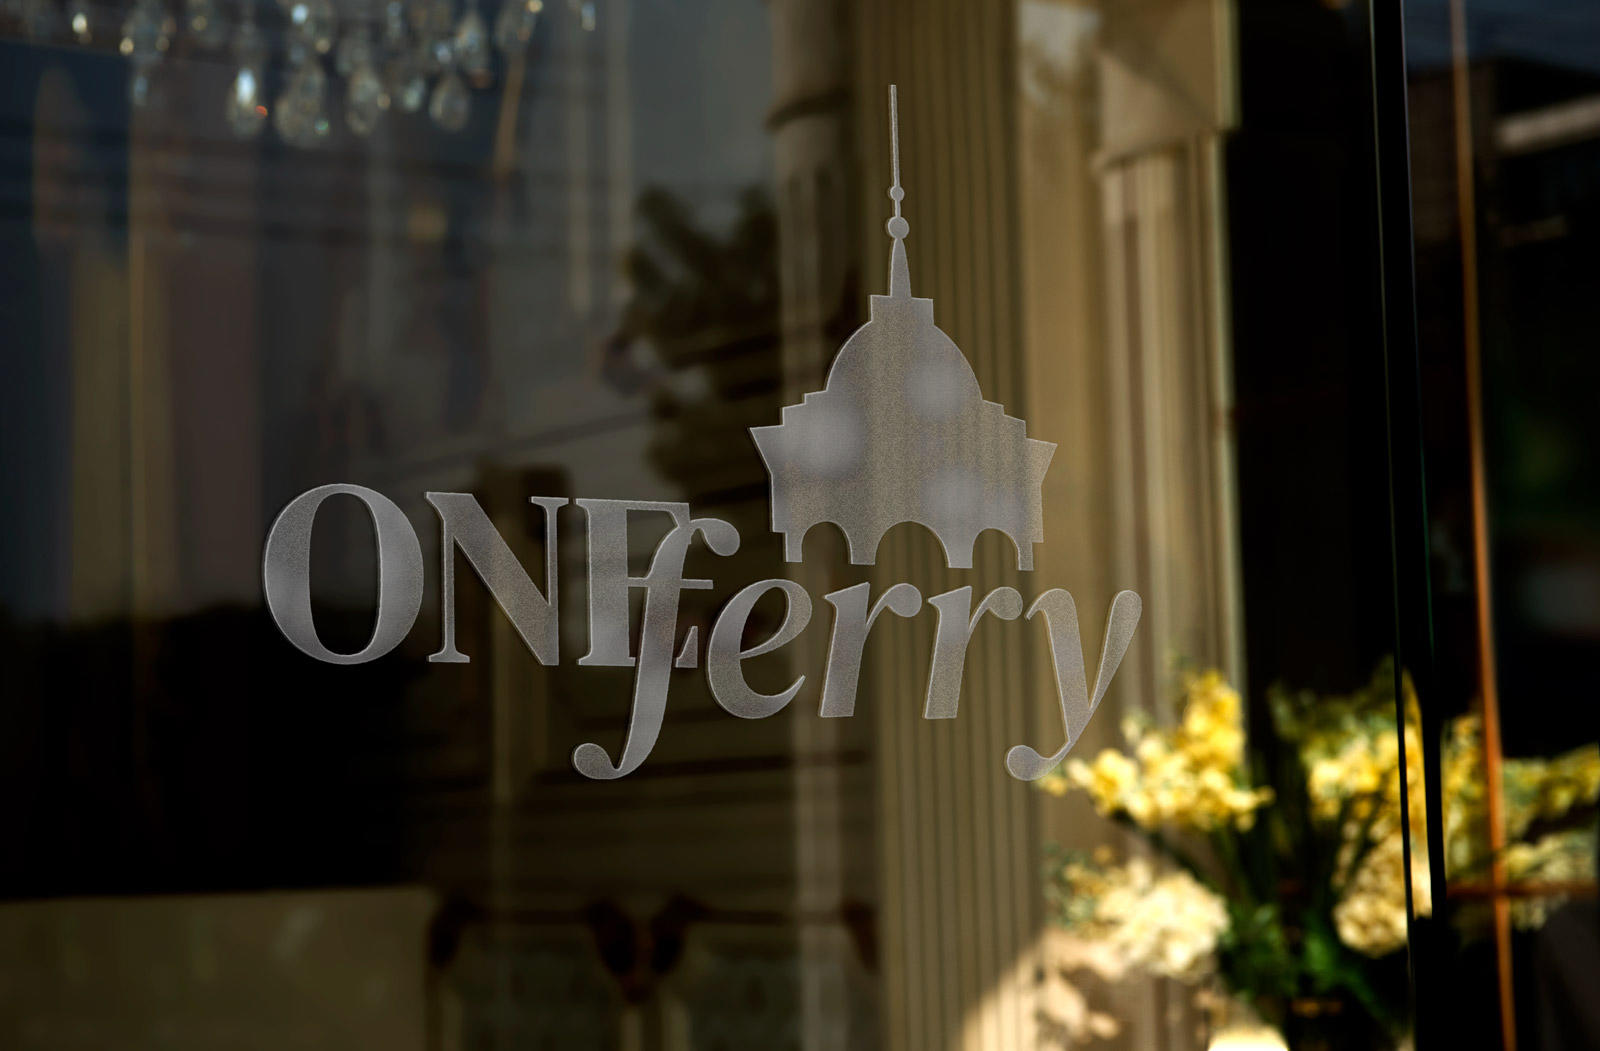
(901, 433)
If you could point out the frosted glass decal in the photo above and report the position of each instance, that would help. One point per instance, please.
(900, 433)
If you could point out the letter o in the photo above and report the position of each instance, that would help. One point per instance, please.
(286, 573)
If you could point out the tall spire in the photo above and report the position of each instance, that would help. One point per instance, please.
(899, 271)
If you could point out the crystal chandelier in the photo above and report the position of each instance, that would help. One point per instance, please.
(405, 56)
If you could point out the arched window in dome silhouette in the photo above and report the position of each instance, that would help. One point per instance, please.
(901, 433)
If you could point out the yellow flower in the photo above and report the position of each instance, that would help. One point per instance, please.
(1566, 856)
(1107, 780)
(1143, 810)
(1189, 775)
(1534, 790)
(1371, 913)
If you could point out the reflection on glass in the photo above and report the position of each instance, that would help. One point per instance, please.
(1274, 875)
(514, 248)
(1502, 107)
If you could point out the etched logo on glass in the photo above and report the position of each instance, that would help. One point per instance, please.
(900, 433)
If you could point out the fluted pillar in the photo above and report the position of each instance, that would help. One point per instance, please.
(1128, 341)
(958, 849)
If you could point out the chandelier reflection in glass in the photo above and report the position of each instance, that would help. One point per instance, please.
(408, 56)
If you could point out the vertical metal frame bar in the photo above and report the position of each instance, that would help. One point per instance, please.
(1408, 510)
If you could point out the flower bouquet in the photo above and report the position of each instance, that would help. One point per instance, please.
(1277, 876)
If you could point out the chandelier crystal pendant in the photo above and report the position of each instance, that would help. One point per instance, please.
(246, 109)
(364, 57)
(355, 46)
(366, 95)
(146, 35)
(80, 19)
(451, 104)
(300, 113)
(408, 85)
(472, 45)
(433, 22)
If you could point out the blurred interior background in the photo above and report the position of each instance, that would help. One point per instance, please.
(517, 248)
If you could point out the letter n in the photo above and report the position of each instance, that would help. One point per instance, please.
(463, 524)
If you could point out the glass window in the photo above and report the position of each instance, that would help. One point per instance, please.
(797, 524)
